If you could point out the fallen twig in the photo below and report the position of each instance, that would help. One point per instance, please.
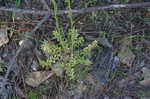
(45, 4)
(77, 11)
(40, 23)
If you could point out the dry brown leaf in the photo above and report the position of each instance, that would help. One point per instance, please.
(20, 93)
(3, 37)
(126, 55)
(146, 73)
(34, 79)
(124, 82)
(57, 69)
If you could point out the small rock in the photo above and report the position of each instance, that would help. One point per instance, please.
(3, 37)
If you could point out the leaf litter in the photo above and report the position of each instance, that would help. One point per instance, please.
(98, 83)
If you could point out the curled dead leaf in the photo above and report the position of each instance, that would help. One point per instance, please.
(125, 54)
(146, 73)
(57, 69)
(34, 79)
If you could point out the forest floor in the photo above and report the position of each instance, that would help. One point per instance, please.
(120, 66)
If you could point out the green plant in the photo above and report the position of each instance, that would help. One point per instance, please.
(142, 94)
(125, 1)
(17, 4)
(118, 92)
(66, 51)
(31, 95)
(88, 3)
(119, 74)
(141, 77)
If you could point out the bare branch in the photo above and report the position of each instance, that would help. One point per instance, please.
(40, 23)
(77, 11)
(16, 10)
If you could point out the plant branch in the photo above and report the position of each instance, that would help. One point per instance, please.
(77, 11)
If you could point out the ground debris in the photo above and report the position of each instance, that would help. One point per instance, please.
(125, 82)
(19, 92)
(146, 98)
(146, 74)
(113, 29)
(126, 55)
(103, 41)
(105, 62)
(127, 97)
(3, 37)
(58, 70)
(34, 79)
(106, 97)
(6, 89)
